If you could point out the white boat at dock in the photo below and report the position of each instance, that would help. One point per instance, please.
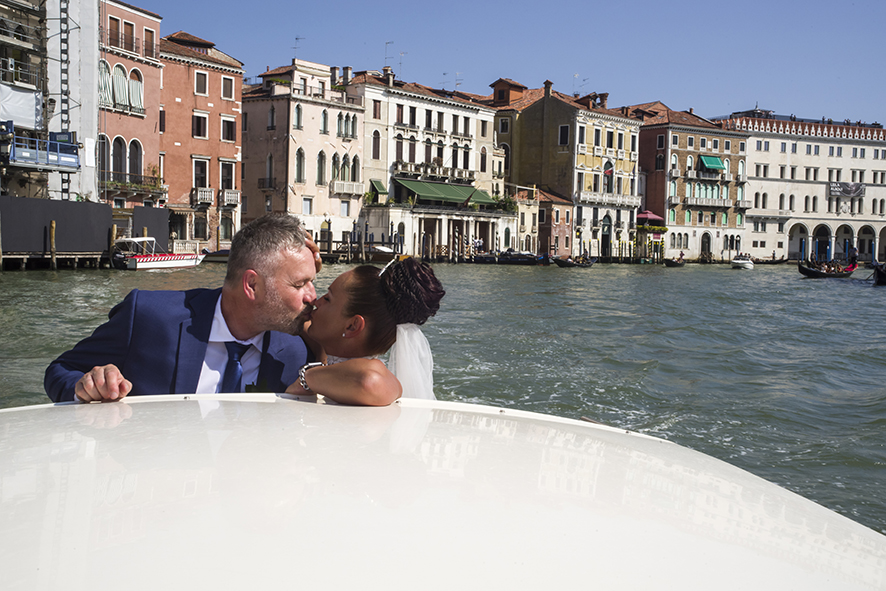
(138, 254)
(265, 491)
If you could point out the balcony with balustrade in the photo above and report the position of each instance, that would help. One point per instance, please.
(202, 196)
(228, 197)
(612, 199)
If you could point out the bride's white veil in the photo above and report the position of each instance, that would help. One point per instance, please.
(411, 361)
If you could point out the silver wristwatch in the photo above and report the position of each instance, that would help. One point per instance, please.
(304, 369)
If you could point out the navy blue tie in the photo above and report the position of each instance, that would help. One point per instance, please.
(233, 378)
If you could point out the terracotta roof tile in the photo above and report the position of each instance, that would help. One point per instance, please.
(188, 39)
(211, 54)
(376, 79)
(657, 113)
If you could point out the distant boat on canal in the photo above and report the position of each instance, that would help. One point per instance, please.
(139, 254)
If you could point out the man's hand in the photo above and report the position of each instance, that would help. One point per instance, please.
(312, 246)
(103, 383)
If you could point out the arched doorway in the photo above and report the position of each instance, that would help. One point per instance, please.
(821, 244)
(705, 244)
(797, 242)
(507, 243)
(606, 237)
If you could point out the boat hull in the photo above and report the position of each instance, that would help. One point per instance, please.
(742, 264)
(229, 491)
(674, 263)
(807, 271)
(880, 275)
(162, 261)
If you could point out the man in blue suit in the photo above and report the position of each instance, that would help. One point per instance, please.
(159, 342)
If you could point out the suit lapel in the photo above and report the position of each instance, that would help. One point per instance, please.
(193, 338)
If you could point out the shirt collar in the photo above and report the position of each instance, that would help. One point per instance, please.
(220, 333)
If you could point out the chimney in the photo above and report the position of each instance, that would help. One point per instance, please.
(388, 73)
(548, 85)
(293, 61)
(690, 110)
(333, 76)
(604, 100)
(346, 74)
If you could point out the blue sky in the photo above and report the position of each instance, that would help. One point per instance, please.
(812, 59)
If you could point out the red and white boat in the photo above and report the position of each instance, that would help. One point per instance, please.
(138, 254)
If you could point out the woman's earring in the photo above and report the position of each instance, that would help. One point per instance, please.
(344, 334)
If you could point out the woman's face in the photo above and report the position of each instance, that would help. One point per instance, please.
(328, 320)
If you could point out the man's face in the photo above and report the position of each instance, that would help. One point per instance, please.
(289, 286)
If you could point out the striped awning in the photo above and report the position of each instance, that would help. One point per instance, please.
(105, 94)
(121, 88)
(136, 95)
(378, 187)
(712, 163)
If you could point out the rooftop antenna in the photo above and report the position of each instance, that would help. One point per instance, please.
(458, 80)
(582, 85)
(386, 50)
(402, 53)
(443, 84)
(295, 47)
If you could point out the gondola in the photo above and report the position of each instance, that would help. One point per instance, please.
(674, 262)
(582, 263)
(808, 271)
(880, 274)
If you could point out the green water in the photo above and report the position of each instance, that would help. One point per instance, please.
(780, 375)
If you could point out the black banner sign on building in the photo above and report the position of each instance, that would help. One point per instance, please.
(846, 189)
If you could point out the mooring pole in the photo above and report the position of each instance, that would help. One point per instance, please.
(53, 264)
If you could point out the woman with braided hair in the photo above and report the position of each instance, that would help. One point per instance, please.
(365, 313)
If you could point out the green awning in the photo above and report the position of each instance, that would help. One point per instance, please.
(447, 192)
(712, 163)
(379, 187)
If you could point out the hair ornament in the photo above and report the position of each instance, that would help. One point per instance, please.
(391, 262)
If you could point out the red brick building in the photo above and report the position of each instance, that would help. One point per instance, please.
(199, 123)
(555, 224)
(129, 91)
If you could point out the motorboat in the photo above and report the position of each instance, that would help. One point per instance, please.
(742, 262)
(808, 270)
(272, 491)
(138, 254)
(513, 257)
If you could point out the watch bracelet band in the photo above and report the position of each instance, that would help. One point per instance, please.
(303, 371)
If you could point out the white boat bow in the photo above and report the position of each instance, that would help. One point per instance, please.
(261, 491)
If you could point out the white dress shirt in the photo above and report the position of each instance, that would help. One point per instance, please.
(217, 355)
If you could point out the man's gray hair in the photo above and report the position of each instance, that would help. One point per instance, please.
(259, 243)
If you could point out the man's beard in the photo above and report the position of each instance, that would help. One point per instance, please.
(276, 316)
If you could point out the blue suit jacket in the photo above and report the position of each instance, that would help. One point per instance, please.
(158, 341)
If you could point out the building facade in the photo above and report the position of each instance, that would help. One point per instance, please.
(303, 145)
(576, 147)
(128, 141)
(555, 224)
(199, 152)
(39, 151)
(817, 188)
(695, 180)
(431, 167)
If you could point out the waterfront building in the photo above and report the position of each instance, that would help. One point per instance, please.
(42, 49)
(573, 146)
(431, 169)
(128, 142)
(303, 149)
(528, 205)
(695, 180)
(199, 152)
(555, 224)
(816, 187)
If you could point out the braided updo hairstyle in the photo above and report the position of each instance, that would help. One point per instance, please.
(407, 291)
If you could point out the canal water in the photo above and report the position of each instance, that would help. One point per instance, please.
(780, 375)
